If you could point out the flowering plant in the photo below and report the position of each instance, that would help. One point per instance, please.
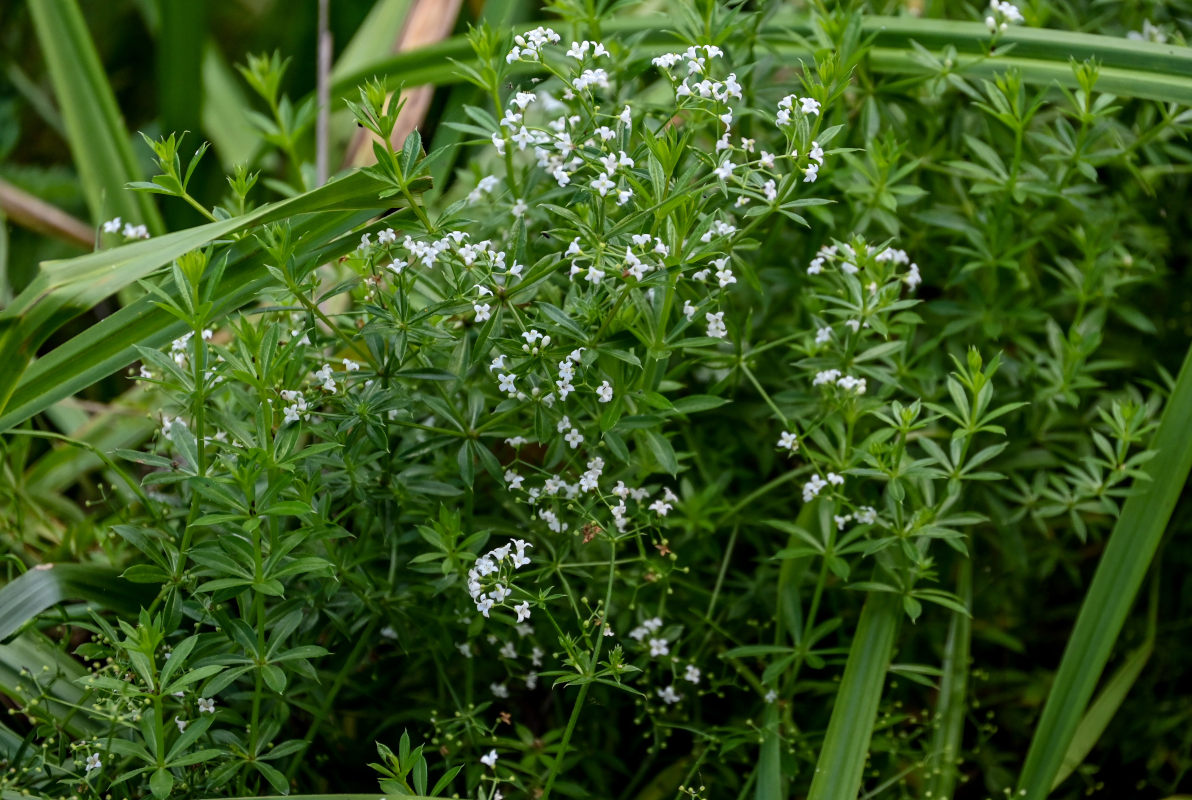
(673, 423)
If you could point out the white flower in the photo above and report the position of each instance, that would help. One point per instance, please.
(771, 696)
(522, 610)
(716, 327)
(812, 488)
(513, 479)
(834, 479)
(809, 105)
(484, 604)
(464, 648)
(573, 248)
(603, 185)
(499, 690)
(725, 170)
(624, 196)
(810, 173)
(692, 673)
(206, 705)
(787, 441)
(653, 624)
(324, 376)
(822, 335)
(688, 310)
(490, 760)
(669, 695)
(93, 763)
(111, 226)
(181, 723)
(499, 593)
(604, 392)
(350, 365)
(594, 275)
(506, 382)
(483, 311)
(386, 236)
(659, 647)
(725, 276)
(574, 438)
(660, 507)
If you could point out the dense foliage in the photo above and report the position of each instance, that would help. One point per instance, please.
(735, 409)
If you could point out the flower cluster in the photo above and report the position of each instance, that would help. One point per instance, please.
(490, 578)
(1003, 14)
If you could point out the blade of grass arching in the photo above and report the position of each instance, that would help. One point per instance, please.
(99, 142)
(498, 14)
(116, 427)
(953, 700)
(225, 123)
(1102, 709)
(50, 584)
(1129, 68)
(50, 677)
(1120, 573)
(428, 21)
(373, 39)
(838, 771)
(64, 289)
(110, 345)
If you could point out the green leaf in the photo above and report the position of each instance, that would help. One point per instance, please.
(1123, 565)
(98, 139)
(842, 757)
(49, 584)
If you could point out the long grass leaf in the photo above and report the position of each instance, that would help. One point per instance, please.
(945, 746)
(49, 584)
(56, 689)
(1129, 67)
(98, 139)
(838, 771)
(373, 39)
(110, 345)
(64, 289)
(1120, 573)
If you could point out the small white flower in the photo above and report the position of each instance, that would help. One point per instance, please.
(669, 695)
(112, 226)
(490, 760)
(661, 508)
(603, 185)
(822, 335)
(692, 673)
(771, 696)
(506, 382)
(350, 365)
(787, 441)
(181, 723)
(574, 438)
(499, 690)
(483, 311)
(659, 647)
(206, 705)
(386, 236)
(522, 609)
(93, 763)
(604, 392)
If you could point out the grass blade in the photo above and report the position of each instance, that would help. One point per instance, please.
(56, 686)
(1124, 564)
(838, 771)
(98, 139)
(945, 747)
(49, 584)
(64, 289)
(1129, 68)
